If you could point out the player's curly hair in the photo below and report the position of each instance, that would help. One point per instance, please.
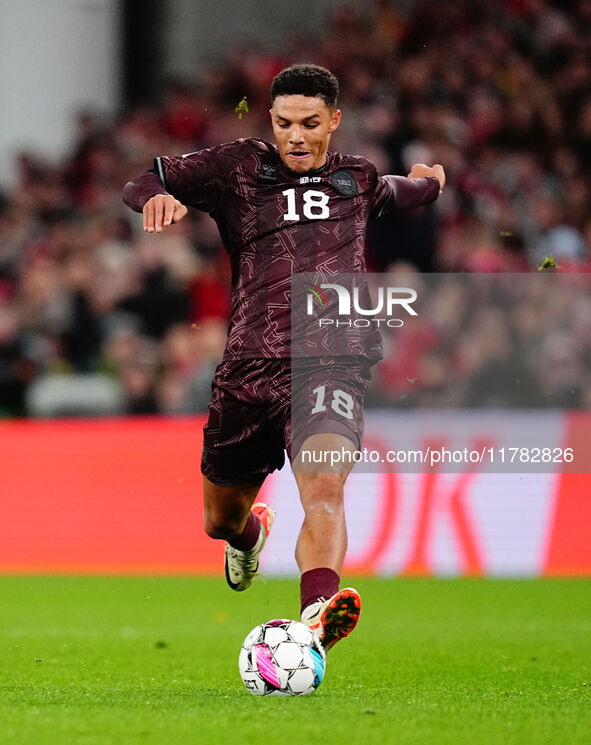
(306, 80)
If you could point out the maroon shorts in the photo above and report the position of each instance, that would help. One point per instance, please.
(262, 407)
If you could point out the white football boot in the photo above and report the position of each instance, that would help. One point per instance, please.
(243, 566)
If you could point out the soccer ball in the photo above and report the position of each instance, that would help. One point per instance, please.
(282, 658)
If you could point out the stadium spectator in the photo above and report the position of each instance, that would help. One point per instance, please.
(498, 92)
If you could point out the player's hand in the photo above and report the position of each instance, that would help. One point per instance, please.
(162, 210)
(420, 170)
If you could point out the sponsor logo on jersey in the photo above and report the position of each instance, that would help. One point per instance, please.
(344, 182)
(268, 173)
(310, 179)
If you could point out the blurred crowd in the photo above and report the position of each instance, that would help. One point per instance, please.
(489, 340)
(97, 317)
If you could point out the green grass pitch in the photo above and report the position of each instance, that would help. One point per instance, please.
(130, 660)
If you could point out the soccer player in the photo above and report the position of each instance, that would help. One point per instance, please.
(281, 209)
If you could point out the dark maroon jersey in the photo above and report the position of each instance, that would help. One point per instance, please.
(275, 223)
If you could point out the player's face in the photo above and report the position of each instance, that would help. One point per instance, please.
(302, 126)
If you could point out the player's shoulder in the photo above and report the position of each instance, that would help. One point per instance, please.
(353, 161)
(257, 145)
(246, 157)
(247, 145)
(362, 169)
(233, 150)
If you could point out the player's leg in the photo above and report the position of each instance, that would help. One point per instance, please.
(239, 450)
(226, 509)
(323, 537)
(322, 543)
(230, 514)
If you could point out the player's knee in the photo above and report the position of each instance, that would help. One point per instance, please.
(220, 527)
(323, 491)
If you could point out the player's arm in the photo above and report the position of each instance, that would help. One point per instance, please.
(163, 194)
(399, 193)
(147, 195)
(420, 170)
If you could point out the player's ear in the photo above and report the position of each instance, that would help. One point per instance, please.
(335, 120)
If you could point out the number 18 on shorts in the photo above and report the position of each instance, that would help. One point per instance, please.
(327, 398)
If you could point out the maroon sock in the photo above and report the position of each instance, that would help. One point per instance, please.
(249, 536)
(318, 583)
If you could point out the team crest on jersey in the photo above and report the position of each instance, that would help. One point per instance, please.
(344, 182)
(268, 173)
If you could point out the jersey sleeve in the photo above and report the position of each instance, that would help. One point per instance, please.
(197, 179)
(399, 193)
(137, 192)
